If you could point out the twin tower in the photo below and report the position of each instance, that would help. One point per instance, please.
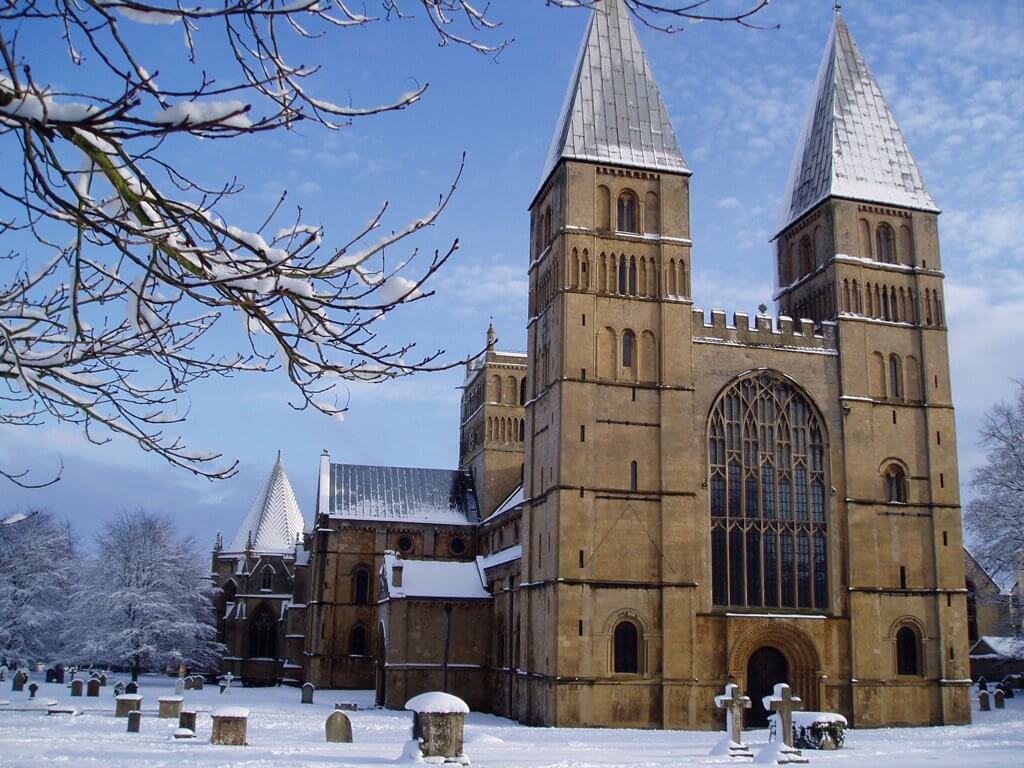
(711, 499)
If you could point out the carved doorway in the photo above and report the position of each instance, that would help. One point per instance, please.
(767, 666)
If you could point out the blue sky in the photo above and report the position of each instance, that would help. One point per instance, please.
(952, 73)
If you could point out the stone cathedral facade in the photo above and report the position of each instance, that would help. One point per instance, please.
(657, 500)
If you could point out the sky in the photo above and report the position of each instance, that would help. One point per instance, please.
(951, 72)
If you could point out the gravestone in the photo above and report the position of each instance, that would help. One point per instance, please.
(983, 702)
(733, 702)
(229, 725)
(77, 687)
(348, 706)
(19, 680)
(93, 687)
(190, 683)
(187, 719)
(103, 679)
(170, 706)
(781, 702)
(179, 687)
(339, 728)
(1008, 690)
(307, 693)
(225, 683)
(51, 676)
(184, 733)
(3, 672)
(134, 721)
(437, 724)
(59, 672)
(128, 702)
(119, 689)
(132, 687)
(997, 697)
(198, 682)
(34, 689)
(61, 709)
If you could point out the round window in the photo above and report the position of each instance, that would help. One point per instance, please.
(458, 546)
(404, 544)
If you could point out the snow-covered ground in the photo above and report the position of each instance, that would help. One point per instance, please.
(284, 733)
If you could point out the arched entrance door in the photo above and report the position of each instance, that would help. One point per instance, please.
(767, 666)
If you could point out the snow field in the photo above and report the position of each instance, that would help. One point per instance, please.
(283, 733)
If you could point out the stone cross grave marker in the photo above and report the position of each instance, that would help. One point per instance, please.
(733, 702)
(983, 702)
(339, 728)
(225, 682)
(781, 702)
(93, 687)
(307, 693)
(997, 697)
(77, 687)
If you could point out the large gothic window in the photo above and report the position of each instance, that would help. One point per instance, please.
(263, 633)
(767, 481)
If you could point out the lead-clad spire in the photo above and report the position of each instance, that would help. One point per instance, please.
(613, 111)
(850, 146)
(274, 520)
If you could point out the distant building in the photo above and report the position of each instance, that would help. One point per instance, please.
(993, 628)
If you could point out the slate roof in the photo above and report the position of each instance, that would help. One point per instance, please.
(274, 520)
(850, 146)
(613, 111)
(402, 494)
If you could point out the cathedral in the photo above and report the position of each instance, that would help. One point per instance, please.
(654, 500)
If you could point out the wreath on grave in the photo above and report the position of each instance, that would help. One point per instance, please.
(818, 733)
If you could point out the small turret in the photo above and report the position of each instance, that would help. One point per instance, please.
(492, 337)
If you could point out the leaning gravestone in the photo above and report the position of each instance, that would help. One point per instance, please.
(733, 702)
(307, 693)
(132, 687)
(93, 687)
(134, 721)
(983, 702)
(128, 702)
(77, 687)
(34, 689)
(997, 698)
(437, 725)
(339, 728)
(229, 725)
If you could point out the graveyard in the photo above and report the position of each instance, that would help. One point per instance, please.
(281, 730)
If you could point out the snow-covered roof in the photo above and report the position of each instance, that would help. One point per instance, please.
(514, 500)
(850, 145)
(500, 557)
(998, 647)
(613, 111)
(445, 579)
(274, 520)
(402, 494)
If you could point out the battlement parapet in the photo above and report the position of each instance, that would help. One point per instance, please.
(782, 332)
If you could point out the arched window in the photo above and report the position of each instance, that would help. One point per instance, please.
(263, 633)
(906, 652)
(623, 279)
(522, 430)
(806, 256)
(627, 648)
(895, 484)
(267, 578)
(361, 587)
(357, 641)
(767, 469)
(522, 391)
(885, 244)
(895, 378)
(627, 213)
(632, 276)
(628, 349)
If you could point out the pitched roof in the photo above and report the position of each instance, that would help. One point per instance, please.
(850, 145)
(402, 494)
(613, 111)
(434, 579)
(274, 520)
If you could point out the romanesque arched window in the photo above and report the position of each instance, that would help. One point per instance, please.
(357, 641)
(626, 652)
(906, 651)
(632, 276)
(361, 586)
(628, 349)
(627, 213)
(263, 633)
(895, 484)
(767, 480)
(885, 244)
(895, 377)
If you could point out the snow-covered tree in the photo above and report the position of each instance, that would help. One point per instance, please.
(37, 562)
(994, 518)
(144, 599)
(121, 264)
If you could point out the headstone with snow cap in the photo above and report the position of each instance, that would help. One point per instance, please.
(19, 680)
(197, 682)
(190, 683)
(3, 672)
(134, 721)
(187, 719)
(93, 687)
(132, 687)
(179, 687)
(126, 703)
(733, 702)
(103, 679)
(997, 698)
(983, 702)
(77, 687)
(229, 725)
(307, 693)
(339, 728)
(437, 725)
(170, 706)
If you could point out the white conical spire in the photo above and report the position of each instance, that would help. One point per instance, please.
(613, 111)
(850, 146)
(274, 520)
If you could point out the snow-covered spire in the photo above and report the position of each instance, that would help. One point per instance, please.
(850, 146)
(613, 111)
(274, 520)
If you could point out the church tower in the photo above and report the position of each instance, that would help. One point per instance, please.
(609, 307)
(858, 244)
